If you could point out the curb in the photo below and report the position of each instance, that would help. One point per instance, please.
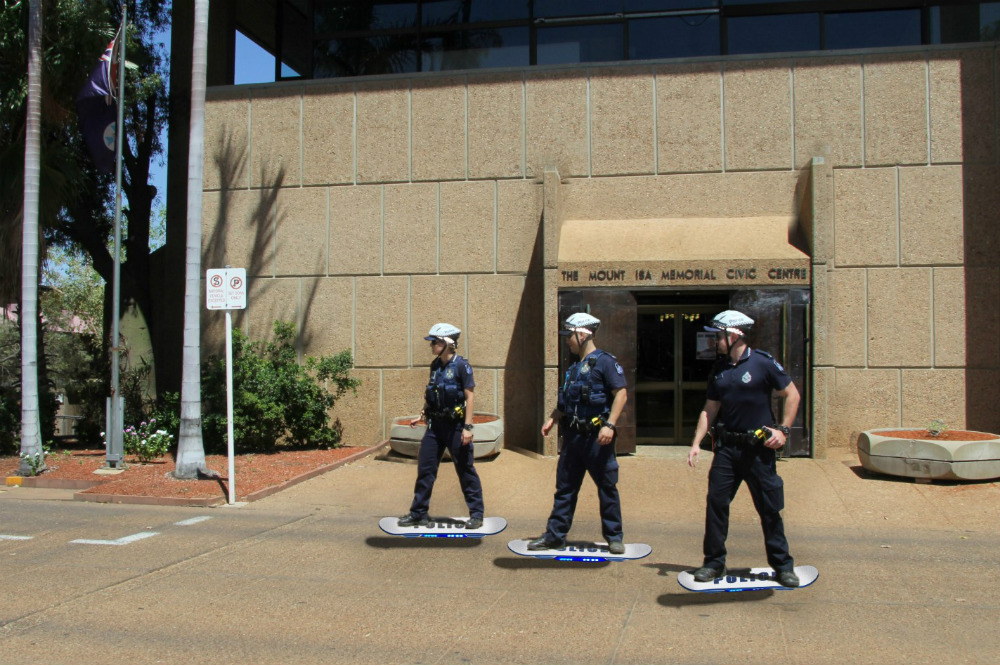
(220, 501)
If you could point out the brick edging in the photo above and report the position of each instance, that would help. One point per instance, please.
(215, 501)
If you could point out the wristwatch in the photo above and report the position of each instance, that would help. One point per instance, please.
(784, 429)
(468, 426)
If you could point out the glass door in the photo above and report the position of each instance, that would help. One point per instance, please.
(674, 360)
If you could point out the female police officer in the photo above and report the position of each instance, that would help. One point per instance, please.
(448, 410)
(739, 395)
(590, 401)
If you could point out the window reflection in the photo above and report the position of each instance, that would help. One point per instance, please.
(965, 23)
(772, 34)
(382, 54)
(556, 8)
(442, 12)
(859, 30)
(673, 37)
(580, 43)
(472, 49)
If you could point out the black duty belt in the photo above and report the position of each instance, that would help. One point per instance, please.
(577, 424)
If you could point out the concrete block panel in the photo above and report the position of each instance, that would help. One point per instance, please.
(962, 106)
(848, 316)
(383, 133)
(411, 228)
(981, 201)
(556, 123)
(276, 137)
(689, 118)
(865, 218)
(899, 317)
(949, 316)
(327, 316)
(382, 321)
(745, 194)
(758, 115)
(519, 216)
(468, 227)
(496, 126)
(823, 387)
(895, 109)
(494, 305)
(823, 334)
(227, 152)
(982, 314)
(359, 414)
(862, 400)
(403, 392)
(982, 394)
(828, 111)
(301, 232)
(621, 121)
(434, 299)
(933, 394)
(438, 121)
(328, 135)
(550, 444)
(356, 230)
(931, 215)
(238, 230)
(268, 301)
(487, 389)
(551, 317)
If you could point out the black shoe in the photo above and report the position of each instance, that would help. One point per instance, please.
(616, 547)
(708, 574)
(788, 578)
(473, 523)
(409, 520)
(545, 542)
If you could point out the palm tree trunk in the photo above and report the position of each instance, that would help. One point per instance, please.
(190, 447)
(32, 456)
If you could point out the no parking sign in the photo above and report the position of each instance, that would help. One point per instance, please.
(226, 288)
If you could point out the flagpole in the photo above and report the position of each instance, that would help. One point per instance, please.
(115, 450)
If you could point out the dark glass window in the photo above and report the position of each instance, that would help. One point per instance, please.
(476, 49)
(556, 8)
(965, 23)
(363, 15)
(667, 5)
(673, 37)
(361, 56)
(773, 33)
(580, 43)
(860, 30)
(760, 2)
(444, 12)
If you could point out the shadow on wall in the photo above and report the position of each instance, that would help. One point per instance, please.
(524, 368)
(266, 216)
(981, 233)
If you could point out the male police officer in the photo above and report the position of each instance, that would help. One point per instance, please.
(448, 404)
(739, 396)
(591, 399)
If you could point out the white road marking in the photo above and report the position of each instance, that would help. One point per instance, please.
(124, 541)
(193, 521)
(11, 537)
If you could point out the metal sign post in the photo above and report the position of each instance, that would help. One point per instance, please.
(226, 289)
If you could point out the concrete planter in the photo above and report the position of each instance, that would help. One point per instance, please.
(487, 436)
(961, 455)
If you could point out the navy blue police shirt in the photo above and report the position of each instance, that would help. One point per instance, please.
(744, 389)
(606, 370)
(457, 365)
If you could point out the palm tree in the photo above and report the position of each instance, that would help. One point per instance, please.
(32, 456)
(190, 447)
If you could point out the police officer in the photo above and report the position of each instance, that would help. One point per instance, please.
(746, 438)
(448, 405)
(591, 399)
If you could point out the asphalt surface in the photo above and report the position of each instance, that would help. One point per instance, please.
(908, 574)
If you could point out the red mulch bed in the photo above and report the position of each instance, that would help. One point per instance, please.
(254, 473)
(946, 436)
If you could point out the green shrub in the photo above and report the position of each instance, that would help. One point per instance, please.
(275, 399)
(146, 441)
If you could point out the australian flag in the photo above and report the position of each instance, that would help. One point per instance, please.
(98, 112)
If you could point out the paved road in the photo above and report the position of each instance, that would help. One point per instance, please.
(907, 574)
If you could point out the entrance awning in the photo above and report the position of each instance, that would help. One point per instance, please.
(702, 252)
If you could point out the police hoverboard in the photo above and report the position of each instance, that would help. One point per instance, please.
(581, 551)
(451, 528)
(745, 580)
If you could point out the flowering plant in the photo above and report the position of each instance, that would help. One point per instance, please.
(145, 441)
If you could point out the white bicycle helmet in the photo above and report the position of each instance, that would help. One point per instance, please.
(580, 322)
(445, 332)
(731, 321)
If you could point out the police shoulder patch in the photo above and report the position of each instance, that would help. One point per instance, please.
(618, 368)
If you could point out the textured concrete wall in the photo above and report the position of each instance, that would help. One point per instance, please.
(367, 210)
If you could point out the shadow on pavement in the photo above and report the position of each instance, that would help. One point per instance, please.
(681, 599)
(389, 543)
(538, 563)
